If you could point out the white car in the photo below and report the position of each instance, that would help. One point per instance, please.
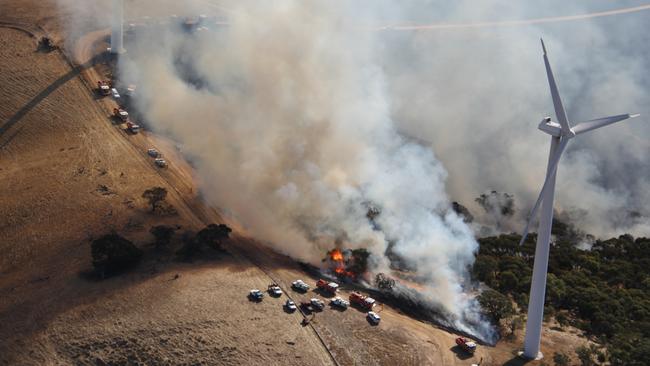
(290, 305)
(153, 153)
(317, 304)
(161, 162)
(299, 285)
(115, 94)
(256, 294)
(374, 317)
(338, 301)
(275, 290)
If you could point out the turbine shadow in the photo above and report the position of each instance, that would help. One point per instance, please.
(46, 92)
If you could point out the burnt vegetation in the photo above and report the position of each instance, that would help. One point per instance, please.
(604, 291)
(496, 202)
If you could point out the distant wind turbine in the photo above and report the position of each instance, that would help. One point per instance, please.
(561, 132)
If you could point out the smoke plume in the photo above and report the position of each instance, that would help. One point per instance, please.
(299, 114)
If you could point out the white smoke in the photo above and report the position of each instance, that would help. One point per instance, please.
(296, 117)
(291, 130)
(486, 90)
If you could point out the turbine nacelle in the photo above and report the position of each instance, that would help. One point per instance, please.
(554, 128)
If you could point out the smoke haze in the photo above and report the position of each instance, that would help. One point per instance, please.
(298, 117)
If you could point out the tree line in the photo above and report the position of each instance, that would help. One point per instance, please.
(604, 290)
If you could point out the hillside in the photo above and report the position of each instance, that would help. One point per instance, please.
(68, 174)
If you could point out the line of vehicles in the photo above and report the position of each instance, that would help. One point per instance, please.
(314, 304)
(106, 88)
(357, 299)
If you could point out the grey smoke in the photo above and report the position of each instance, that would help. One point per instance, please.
(477, 95)
(303, 116)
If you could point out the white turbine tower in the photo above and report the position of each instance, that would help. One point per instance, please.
(117, 25)
(561, 132)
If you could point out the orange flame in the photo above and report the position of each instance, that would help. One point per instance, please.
(336, 255)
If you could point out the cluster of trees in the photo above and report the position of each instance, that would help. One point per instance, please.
(211, 236)
(156, 196)
(113, 253)
(604, 291)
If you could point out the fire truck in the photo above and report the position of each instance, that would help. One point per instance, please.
(121, 114)
(330, 287)
(104, 87)
(364, 302)
(467, 345)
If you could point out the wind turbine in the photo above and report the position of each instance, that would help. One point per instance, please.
(117, 25)
(561, 132)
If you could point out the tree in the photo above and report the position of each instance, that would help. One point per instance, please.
(46, 44)
(508, 282)
(485, 268)
(517, 322)
(190, 247)
(359, 264)
(555, 290)
(495, 305)
(584, 355)
(384, 282)
(155, 195)
(163, 235)
(112, 253)
(495, 202)
(561, 359)
(462, 211)
(213, 234)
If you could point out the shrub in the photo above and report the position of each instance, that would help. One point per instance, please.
(163, 235)
(190, 247)
(561, 359)
(154, 196)
(212, 235)
(384, 282)
(112, 253)
(495, 305)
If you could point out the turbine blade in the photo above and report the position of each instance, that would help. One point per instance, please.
(560, 113)
(600, 122)
(552, 168)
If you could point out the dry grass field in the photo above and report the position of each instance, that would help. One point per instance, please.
(69, 174)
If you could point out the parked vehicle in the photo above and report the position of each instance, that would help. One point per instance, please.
(364, 302)
(374, 317)
(132, 127)
(160, 162)
(467, 345)
(274, 290)
(299, 285)
(290, 305)
(339, 302)
(256, 295)
(121, 114)
(329, 287)
(104, 87)
(317, 304)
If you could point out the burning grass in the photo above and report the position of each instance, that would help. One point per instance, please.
(347, 264)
